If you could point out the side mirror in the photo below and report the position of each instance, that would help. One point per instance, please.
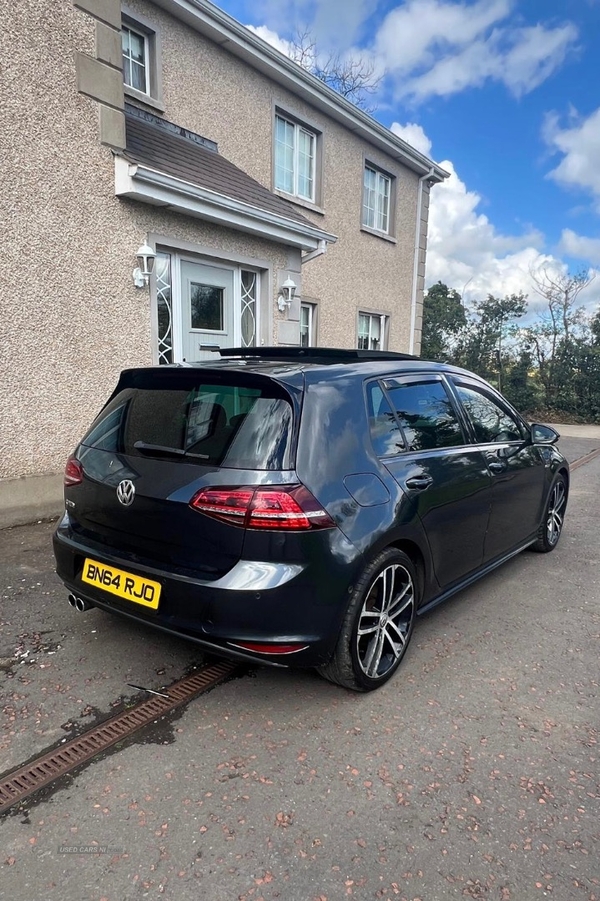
(543, 434)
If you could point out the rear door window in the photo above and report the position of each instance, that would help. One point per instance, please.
(238, 426)
(425, 412)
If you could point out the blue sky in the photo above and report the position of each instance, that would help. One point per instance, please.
(503, 93)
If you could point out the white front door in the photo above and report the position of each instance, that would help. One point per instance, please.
(207, 310)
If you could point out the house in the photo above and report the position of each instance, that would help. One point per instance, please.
(272, 210)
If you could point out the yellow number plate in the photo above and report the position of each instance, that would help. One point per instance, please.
(123, 584)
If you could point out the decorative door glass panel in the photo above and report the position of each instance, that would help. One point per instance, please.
(248, 312)
(206, 305)
(165, 307)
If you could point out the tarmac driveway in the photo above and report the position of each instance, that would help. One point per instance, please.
(473, 773)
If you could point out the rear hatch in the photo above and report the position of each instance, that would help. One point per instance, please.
(164, 435)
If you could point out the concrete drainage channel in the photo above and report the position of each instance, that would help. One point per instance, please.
(587, 459)
(23, 782)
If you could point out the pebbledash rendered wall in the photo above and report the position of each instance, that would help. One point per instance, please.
(218, 95)
(71, 317)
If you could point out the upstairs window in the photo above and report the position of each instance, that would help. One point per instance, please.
(377, 196)
(135, 60)
(295, 159)
(142, 59)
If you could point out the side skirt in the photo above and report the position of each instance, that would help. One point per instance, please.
(473, 577)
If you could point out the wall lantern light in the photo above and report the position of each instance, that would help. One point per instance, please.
(145, 258)
(286, 295)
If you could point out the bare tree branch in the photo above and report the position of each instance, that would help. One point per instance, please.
(354, 77)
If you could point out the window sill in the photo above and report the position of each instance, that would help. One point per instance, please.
(378, 234)
(146, 99)
(299, 201)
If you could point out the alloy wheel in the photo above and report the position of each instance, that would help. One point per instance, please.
(556, 512)
(385, 621)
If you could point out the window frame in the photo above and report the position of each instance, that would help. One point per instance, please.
(386, 383)
(390, 382)
(384, 325)
(150, 33)
(389, 231)
(300, 126)
(145, 64)
(312, 322)
(487, 392)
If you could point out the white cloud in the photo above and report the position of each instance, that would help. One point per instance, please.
(580, 146)
(414, 135)
(535, 54)
(580, 247)
(331, 26)
(439, 47)
(414, 33)
(521, 59)
(467, 252)
(272, 38)
(430, 47)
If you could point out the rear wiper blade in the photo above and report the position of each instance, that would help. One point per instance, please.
(166, 451)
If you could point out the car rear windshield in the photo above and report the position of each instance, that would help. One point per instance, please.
(237, 426)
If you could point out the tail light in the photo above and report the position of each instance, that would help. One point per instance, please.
(292, 509)
(73, 472)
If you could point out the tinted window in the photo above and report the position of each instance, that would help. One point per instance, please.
(426, 415)
(385, 432)
(236, 426)
(491, 423)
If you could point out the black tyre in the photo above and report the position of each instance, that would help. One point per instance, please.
(551, 527)
(378, 624)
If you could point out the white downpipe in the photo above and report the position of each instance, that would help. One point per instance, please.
(413, 306)
(312, 254)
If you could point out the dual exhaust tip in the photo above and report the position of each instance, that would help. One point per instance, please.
(79, 603)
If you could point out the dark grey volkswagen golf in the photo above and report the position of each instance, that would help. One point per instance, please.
(302, 506)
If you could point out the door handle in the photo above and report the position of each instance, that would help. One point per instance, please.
(495, 462)
(420, 483)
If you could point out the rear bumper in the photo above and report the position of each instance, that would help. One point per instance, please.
(256, 601)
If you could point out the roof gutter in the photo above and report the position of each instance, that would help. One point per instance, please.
(142, 183)
(415, 280)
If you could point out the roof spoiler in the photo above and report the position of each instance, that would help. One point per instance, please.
(310, 354)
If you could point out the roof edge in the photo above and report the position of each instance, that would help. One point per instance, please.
(213, 22)
(141, 182)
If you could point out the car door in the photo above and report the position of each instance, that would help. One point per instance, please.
(516, 467)
(419, 436)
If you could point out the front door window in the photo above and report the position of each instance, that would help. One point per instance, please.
(206, 307)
